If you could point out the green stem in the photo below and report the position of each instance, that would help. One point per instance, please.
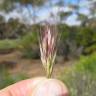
(49, 70)
(49, 74)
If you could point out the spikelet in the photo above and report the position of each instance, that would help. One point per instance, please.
(48, 41)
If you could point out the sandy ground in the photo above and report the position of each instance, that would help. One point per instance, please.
(31, 67)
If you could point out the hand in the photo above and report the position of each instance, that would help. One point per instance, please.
(37, 86)
(22, 88)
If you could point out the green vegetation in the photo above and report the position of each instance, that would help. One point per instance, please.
(81, 77)
(7, 79)
(29, 46)
(25, 41)
(75, 42)
(8, 44)
(28, 40)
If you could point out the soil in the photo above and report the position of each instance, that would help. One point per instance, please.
(32, 68)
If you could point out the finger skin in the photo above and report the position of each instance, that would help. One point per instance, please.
(22, 88)
(50, 87)
(27, 88)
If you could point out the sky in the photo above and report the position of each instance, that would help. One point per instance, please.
(43, 13)
(72, 20)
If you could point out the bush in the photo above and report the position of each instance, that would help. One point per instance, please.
(29, 46)
(31, 53)
(87, 64)
(8, 44)
(76, 40)
(81, 78)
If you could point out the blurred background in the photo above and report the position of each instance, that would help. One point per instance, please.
(75, 20)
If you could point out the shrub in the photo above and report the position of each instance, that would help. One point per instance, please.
(76, 40)
(87, 64)
(8, 44)
(31, 53)
(29, 45)
(80, 78)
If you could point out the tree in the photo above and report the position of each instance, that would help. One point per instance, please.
(9, 4)
(30, 5)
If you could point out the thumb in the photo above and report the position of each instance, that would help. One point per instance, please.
(22, 88)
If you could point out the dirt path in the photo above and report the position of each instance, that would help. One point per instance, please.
(28, 66)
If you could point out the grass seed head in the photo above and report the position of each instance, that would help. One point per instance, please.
(48, 41)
